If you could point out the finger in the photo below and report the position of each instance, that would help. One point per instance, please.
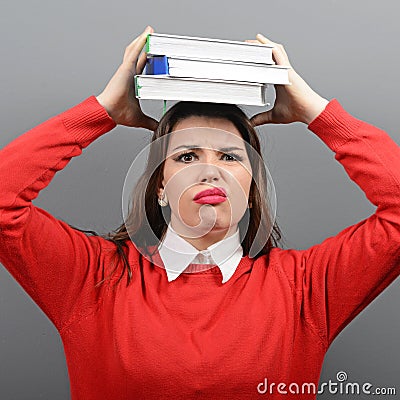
(261, 118)
(263, 39)
(278, 51)
(139, 39)
(133, 50)
(148, 30)
(141, 63)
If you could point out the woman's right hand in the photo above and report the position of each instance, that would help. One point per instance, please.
(118, 98)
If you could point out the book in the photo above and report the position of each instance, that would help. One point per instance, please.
(164, 87)
(217, 49)
(213, 69)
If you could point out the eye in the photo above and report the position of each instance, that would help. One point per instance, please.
(186, 157)
(232, 157)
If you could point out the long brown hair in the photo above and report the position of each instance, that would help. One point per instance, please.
(147, 229)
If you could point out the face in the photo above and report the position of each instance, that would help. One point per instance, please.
(203, 154)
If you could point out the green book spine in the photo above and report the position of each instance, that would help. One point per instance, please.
(137, 86)
(147, 46)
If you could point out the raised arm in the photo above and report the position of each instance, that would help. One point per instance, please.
(344, 273)
(47, 257)
(339, 277)
(56, 265)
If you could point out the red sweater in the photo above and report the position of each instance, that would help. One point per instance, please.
(195, 338)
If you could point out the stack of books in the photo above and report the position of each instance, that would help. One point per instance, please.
(203, 69)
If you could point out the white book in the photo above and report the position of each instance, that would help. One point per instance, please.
(218, 49)
(211, 69)
(164, 87)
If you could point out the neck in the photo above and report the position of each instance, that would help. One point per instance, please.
(203, 242)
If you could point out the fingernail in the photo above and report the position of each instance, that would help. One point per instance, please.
(148, 29)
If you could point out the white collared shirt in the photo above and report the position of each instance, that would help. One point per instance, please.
(177, 255)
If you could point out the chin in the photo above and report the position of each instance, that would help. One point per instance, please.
(211, 220)
(222, 226)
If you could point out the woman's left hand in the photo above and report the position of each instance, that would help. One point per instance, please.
(293, 103)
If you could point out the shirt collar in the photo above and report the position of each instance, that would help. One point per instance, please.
(177, 255)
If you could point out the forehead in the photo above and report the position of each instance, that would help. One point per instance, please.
(197, 121)
(205, 132)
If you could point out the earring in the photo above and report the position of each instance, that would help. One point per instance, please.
(163, 201)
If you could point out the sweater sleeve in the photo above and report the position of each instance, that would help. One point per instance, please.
(54, 263)
(339, 277)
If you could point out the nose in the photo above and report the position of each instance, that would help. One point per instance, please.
(209, 172)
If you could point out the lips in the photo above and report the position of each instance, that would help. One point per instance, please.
(210, 192)
(210, 196)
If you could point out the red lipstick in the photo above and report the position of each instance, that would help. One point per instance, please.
(210, 196)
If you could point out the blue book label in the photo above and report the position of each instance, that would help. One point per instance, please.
(157, 65)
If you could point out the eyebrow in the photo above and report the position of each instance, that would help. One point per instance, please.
(196, 146)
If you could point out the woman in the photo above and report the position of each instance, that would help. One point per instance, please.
(174, 335)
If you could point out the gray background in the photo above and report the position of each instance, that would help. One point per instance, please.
(54, 54)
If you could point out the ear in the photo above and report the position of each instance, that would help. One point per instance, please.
(160, 191)
(162, 182)
(162, 185)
